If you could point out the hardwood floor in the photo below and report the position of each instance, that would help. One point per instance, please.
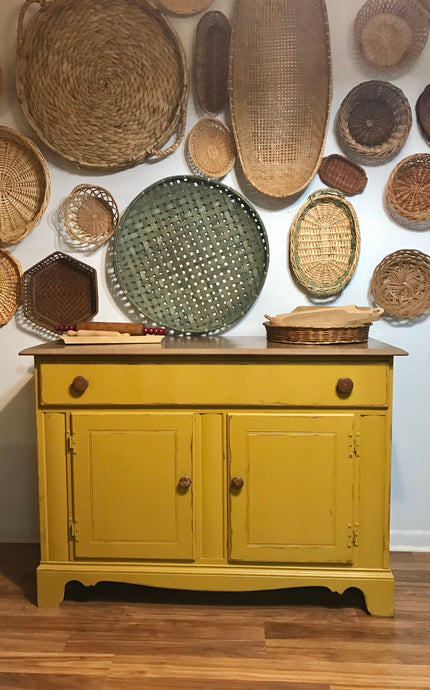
(119, 636)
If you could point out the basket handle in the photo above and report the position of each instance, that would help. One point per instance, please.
(161, 153)
(327, 190)
(22, 12)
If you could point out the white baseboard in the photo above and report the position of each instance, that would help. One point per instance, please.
(409, 540)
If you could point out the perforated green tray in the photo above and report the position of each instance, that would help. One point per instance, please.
(191, 254)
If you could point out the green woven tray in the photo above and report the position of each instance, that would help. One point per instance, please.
(191, 254)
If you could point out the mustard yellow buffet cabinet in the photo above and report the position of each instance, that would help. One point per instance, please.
(215, 464)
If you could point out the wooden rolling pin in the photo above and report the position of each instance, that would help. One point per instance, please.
(96, 334)
(109, 326)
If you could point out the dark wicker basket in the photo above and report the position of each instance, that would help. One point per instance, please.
(211, 55)
(422, 110)
(316, 336)
(339, 172)
(400, 283)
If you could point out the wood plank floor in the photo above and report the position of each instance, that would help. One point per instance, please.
(120, 636)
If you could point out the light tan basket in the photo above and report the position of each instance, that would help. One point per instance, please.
(185, 6)
(24, 186)
(391, 34)
(10, 286)
(103, 84)
(90, 214)
(408, 192)
(210, 147)
(400, 283)
(280, 63)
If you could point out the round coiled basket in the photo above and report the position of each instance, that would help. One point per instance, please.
(210, 148)
(407, 193)
(90, 214)
(400, 283)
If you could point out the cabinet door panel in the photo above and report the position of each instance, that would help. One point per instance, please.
(296, 503)
(126, 499)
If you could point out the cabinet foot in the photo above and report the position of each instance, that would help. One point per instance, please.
(50, 588)
(379, 597)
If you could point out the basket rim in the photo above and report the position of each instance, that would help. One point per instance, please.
(174, 6)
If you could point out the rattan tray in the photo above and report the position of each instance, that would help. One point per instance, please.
(339, 172)
(210, 148)
(90, 214)
(191, 255)
(422, 109)
(185, 6)
(10, 286)
(211, 54)
(324, 243)
(24, 186)
(280, 62)
(407, 193)
(103, 84)
(316, 336)
(400, 283)
(59, 290)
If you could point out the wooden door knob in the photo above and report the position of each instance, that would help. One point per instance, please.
(236, 483)
(184, 482)
(80, 384)
(344, 385)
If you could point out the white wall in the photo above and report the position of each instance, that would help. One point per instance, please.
(380, 235)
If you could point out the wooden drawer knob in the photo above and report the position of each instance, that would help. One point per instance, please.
(236, 483)
(184, 482)
(345, 385)
(80, 384)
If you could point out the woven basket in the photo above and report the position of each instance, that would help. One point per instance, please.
(340, 173)
(390, 34)
(103, 83)
(185, 6)
(191, 254)
(59, 290)
(90, 214)
(401, 283)
(324, 243)
(316, 336)
(407, 193)
(422, 110)
(425, 4)
(280, 63)
(211, 54)
(24, 186)
(210, 148)
(10, 286)
(374, 121)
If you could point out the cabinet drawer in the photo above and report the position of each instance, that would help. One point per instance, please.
(221, 384)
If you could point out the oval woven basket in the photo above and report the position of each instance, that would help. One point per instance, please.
(400, 283)
(339, 172)
(324, 243)
(210, 148)
(185, 6)
(25, 186)
(191, 254)
(10, 286)
(422, 110)
(407, 193)
(90, 214)
(102, 83)
(374, 121)
(290, 72)
(390, 34)
(316, 336)
(211, 55)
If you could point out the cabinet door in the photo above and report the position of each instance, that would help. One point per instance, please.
(125, 473)
(296, 502)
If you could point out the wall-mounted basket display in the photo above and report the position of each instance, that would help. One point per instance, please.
(185, 6)
(10, 286)
(90, 214)
(59, 291)
(340, 173)
(210, 148)
(324, 243)
(24, 186)
(374, 121)
(280, 62)
(103, 84)
(390, 34)
(422, 110)
(191, 254)
(400, 283)
(407, 193)
(211, 56)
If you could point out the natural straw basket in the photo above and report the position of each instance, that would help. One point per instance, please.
(324, 243)
(211, 54)
(374, 121)
(10, 286)
(24, 185)
(339, 172)
(408, 192)
(401, 283)
(90, 214)
(422, 109)
(102, 82)
(390, 34)
(185, 6)
(210, 148)
(280, 91)
(316, 336)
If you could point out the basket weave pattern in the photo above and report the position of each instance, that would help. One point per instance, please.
(341, 173)
(90, 214)
(408, 192)
(10, 286)
(316, 336)
(211, 57)
(400, 283)
(422, 109)
(211, 150)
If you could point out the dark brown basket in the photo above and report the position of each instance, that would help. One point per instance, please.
(422, 110)
(316, 336)
(400, 283)
(211, 55)
(59, 291)
(339, 172)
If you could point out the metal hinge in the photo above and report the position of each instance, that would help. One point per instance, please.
(353, 534)
(73, 529)
(354, 445)
(69, 443)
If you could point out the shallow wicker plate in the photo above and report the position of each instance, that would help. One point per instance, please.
(408, 192)
(211, 55)
(400, 283)
(10, 286)
(90, 214)
(210, 148)
(339, 172)
(24, 185)
(185, 6)
(191, 255)
(102, 83)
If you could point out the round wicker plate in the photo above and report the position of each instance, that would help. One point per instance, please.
(24, 186)
(10, 286)
(102, 82)
(90, 214)
(408, 192)
(211, 149)
(191, 255)
(400, 283)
